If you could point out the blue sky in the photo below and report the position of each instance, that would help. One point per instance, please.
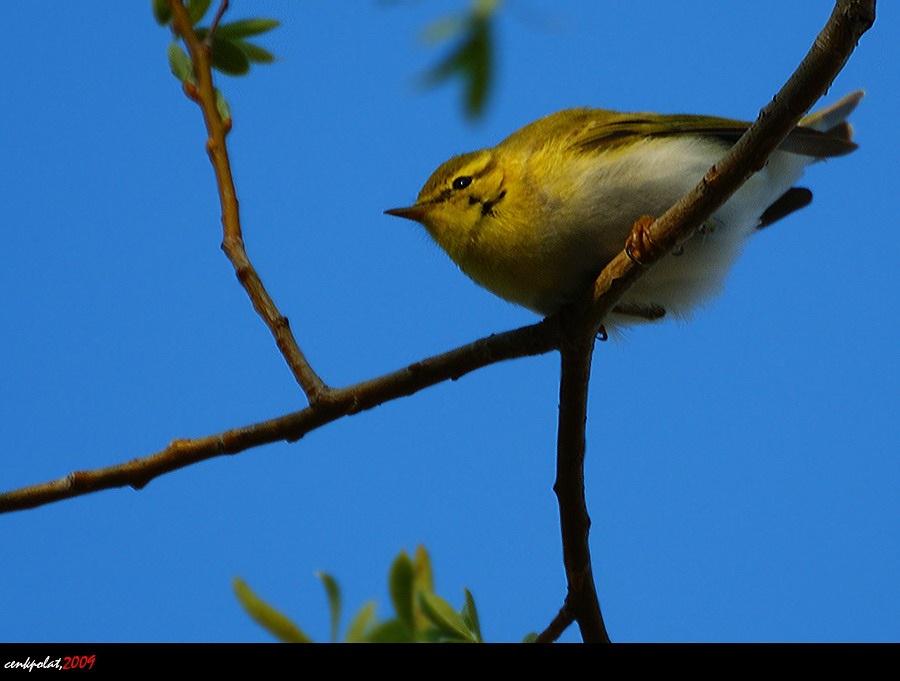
(742, 469)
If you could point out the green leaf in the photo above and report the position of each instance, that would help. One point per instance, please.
(530, 638)
(268, 617)
(222, 106)
(401, 583)
(444, 29)
(391, 631)
(423, 581)
(180, 64)
(356, 632)
(197, 9)
(255, 53)
(469, 616)
(251, 52)
(422, 565)
(161, 12)
(228, 57)
(484, 8)
(476, 65)
(246, 27)
(472, 62)
(445, 618)
(334, 602)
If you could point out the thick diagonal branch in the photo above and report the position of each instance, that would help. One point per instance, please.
(849, 20)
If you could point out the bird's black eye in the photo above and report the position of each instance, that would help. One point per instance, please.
(462, 182)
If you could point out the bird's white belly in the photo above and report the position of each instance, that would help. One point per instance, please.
(647, 182)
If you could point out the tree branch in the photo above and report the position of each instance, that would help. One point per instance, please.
(204, 93)
(531, 340)
(556, 627)
(576, 349)
(849, 20)
(650, 240)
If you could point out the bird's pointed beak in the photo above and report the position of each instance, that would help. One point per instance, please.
(416, 212)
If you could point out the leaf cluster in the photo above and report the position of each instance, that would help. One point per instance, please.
(420, 615)
(231, 52)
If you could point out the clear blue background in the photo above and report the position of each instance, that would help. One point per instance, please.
(743, 469)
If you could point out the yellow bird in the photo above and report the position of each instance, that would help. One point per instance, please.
(537, 217)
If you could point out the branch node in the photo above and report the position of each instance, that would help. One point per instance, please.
(282, 323)
(138, 485)
(353, 407)
(190, 90)
(214, 26)
(243, 274)
(74, 480)
(178, 444)
(222, 446)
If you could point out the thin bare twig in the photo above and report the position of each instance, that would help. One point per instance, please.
(214, 25)
(204, 93)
